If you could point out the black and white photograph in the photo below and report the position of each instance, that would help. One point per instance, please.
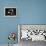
(10, 11)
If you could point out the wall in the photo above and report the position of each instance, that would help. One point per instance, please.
(29, 12)
(7, 24)
(33, 12)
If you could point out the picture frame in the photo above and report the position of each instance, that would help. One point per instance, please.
(10, 11)
(40, 28)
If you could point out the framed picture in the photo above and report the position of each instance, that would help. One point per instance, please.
(32, 32)
(10, 11)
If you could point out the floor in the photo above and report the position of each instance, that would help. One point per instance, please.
(32, 43)
(28, 43)
(7, 45)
